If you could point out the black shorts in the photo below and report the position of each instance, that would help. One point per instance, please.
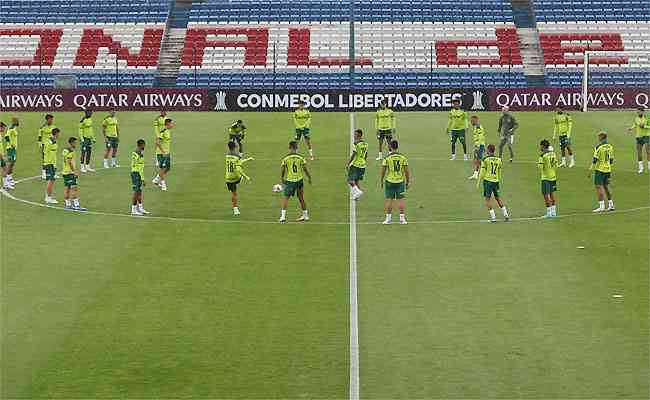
(232, 186)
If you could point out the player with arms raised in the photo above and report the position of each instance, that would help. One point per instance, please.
(385, 126)
(641, 127)
(302, 123)
(163, 155)
(395, 180)
(294, 168)
(602, 166)
(357, 164)
(547, 164)
(456, 126)
(491, 176)
(562, 127)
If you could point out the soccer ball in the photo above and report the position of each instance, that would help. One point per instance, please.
(277, 188)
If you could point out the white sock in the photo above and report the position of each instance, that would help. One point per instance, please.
(381, 155)
(68, 203)
(283, 214)
(493, 215)
(554, 210)
(134, 209)
(75, 202)
(402, 217)
(504, 210)
(601, 204)
(549, 211)
(563, 160)
(389, 217)
(139, 206)
(648, 165)
(10, 178)
(610, 203)
(106, 161)
(114, 161)
(163, 183)
(305, 213)
(640, 165)
(311, 152)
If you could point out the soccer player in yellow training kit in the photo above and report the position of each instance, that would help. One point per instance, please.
(357, 164)
(236, 133)
(50, 149)
(641, 127)
(163, 155)
(547, 164)
(111, 132)
(294, 169)
(478, 136)
(385, 126)
(44, 133)
(395, 180)
(456, 126)
(137, 179)
(302, 122)
(562, 127)
(235, 173)
(491, 176)
(70, 176)
(87, 137)
(158, 126)
(602, 166)
(3, 164)
(10, 139)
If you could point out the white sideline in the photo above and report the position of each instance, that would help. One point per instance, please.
(354, 309)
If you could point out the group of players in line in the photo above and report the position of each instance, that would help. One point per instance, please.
(395, 175)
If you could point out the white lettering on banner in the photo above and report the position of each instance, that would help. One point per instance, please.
(31, 101)
(642, 100)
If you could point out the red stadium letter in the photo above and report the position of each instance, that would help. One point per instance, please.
(94, 39)
(255, 44)
(298, 52)
(506, 42)
(48, 45)
(570, 48)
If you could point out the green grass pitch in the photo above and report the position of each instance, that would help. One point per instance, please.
(197, 304)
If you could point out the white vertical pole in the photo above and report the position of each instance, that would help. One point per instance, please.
(585, 81)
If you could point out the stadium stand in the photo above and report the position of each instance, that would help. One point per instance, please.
(305, 44)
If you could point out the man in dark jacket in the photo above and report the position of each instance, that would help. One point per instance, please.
(507, 126)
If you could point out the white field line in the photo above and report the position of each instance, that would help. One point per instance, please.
(354, 309)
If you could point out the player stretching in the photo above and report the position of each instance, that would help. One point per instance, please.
(602, 164)
(44, 133)
(87, 137)
(507, 126)
(50, 148)
(478, 135)
(294, 168)
(357, 164)
(562, 126)
(3, 164)
(236, 133)
(11, 147)
(163, 155)
(641, 126)
(385, 126)
(137, 179)
(491, 176)
(547, 164)
(234, 173)
(458, 123)
(302, 122)
(111, 132)
(70, 175)
(158, 126)
(395, 180)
